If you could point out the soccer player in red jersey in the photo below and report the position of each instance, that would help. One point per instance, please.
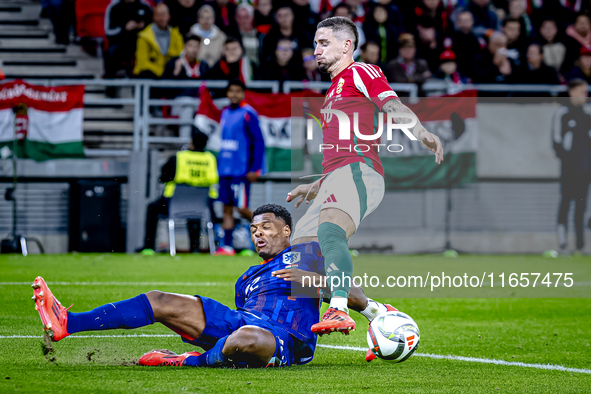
(352, 183)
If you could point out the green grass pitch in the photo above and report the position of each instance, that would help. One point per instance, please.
(536, 331)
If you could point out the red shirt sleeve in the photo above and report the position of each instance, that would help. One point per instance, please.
(374, 84)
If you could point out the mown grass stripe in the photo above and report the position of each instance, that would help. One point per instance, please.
(548, 367)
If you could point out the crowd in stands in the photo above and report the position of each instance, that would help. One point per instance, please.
(459, 41)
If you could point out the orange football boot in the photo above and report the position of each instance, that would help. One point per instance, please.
(334, 320)
(390, 308)
(53, 315)
(165, 358)
(369, 356)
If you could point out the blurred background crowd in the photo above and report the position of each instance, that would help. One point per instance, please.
(461, 41)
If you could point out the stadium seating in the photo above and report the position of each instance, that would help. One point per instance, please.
(90, 20)
(28, 51)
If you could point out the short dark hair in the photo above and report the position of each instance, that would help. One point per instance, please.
(548, 19)
(368, 43)
(576, 82)
(199, 139)
(343, 5)
(340, 24)
(536, 44)
(192, 36)
(236, 82)
(509, 20)
(277, 210)
(231, 40)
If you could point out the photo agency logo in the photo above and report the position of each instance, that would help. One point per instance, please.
(402, 121)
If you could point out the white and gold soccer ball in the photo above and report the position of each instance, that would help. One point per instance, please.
(393, 336)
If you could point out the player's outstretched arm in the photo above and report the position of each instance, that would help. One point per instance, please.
(357, 300)
(431, 141)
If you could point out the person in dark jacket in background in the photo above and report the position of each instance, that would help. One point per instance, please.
(406, 68)
(572, 143)
(285, 65)
(465, 44)
(494, 64)
(485, 19)
(123, 21)
(535, 70)
(183, 13)
(383, 25)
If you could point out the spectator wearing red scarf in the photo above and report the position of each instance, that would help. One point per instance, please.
(186, 66)
(263, 17)
(233, 64)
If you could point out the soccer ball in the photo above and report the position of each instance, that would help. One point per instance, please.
(393, 336)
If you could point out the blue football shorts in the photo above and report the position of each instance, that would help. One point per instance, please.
(234, 191)
(222, 321)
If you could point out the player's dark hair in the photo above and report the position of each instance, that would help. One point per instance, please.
(236, 82)
(277, 210)
(340, 24)
(576, 82)
(199, 139)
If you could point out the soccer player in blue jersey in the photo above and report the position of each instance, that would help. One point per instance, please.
(240, 159)
(270, 327)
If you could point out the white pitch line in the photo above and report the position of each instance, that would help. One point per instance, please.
(118, 283)
(549, 367)
(477, 360)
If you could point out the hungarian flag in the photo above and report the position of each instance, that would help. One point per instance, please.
(44, 123)
(283, 150)
(451, 118)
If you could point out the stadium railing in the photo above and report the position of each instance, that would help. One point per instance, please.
(438, 87)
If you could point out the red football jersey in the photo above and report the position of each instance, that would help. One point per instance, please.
(363, 89)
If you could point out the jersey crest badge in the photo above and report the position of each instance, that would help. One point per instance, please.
(291, 258)
(340, 86)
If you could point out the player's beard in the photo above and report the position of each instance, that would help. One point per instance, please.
(323, 67)
(267, 255)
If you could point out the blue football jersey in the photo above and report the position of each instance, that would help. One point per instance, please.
(242, 146)
(280, 302)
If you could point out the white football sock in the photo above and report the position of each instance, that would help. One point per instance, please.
(373, 309)
(339, 303)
